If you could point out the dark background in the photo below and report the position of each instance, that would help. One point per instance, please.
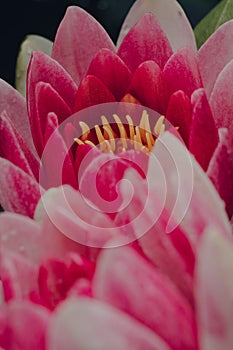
(42, 17)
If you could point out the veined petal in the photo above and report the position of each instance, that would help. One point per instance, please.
(171, 18)
(221, 99)
(14, 104)
(78, 39)
(215, 54)
(92, 91)
(112, 71)
(220, 169)
(145, 41)
(203, 137)
(214, 290)
(83, 322)
(19, 192)
(164, 309)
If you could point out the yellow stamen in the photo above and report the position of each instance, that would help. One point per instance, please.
(123, 134)
(85, 130)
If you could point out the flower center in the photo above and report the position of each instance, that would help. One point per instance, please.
(118, 136)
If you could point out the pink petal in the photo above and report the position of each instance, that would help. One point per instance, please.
(20, 317)
(203, 136)
(18, 275)
(179, 113)
(78, 39)
(15, 106)
(221, 99)
(214, 291)
(77, 219)
(171, 18)
(19, 192)
(92, 91)
(215, 54)
(92, 325)
(43, 68)
(145, 294)
(145, 41)
(48, 100)
(220, 170)
(181, 72)
(112, 71)
(146, 86)
(57, 164)
(14, 148)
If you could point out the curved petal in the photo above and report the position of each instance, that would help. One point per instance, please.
(220, 169)
(179, 113)
(112, 71)
(145, 294)
(92, 91)
(44, 69)
(214, 290)
(92, 325)
(203, 135)
(147, 86)
(214, 55)
(19, 192)
(78, 39)
(221, 99)
(14, 148)
(20, 316)
(145, 41)
(171, 17)
(181, 72)
(14, 104)
(57, 163)
(31, 43)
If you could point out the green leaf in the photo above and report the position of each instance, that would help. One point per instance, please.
(220, 14)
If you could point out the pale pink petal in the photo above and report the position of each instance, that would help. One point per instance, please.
(203, 137)
(214, 55)
(145, 41)
(78, 39)
(92, 325)
(221, 99)
(145, 294)
(24, 326)
(171, 18)
(14, 104)
(19, 192)
(214, 290)
(76, 218)
(220, 169)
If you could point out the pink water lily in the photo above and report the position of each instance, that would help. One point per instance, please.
(152, 65)
(137, 295)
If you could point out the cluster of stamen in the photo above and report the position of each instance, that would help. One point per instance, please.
(140, 137)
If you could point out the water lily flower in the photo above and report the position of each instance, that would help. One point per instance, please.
(78, 296)
(155, 64)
